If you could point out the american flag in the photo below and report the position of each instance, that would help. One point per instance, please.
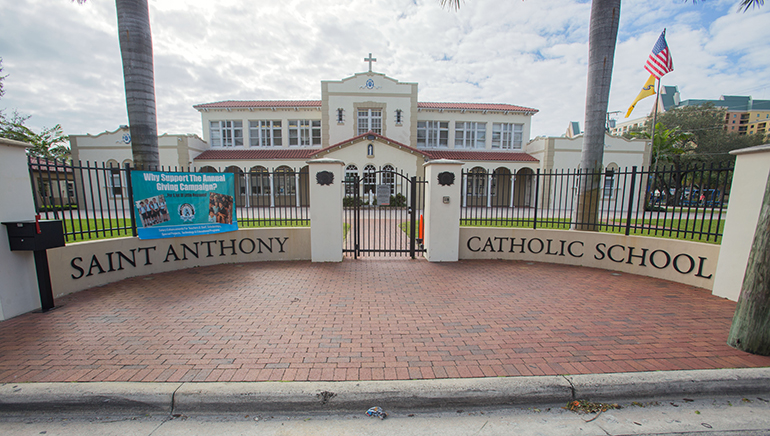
(659, 63)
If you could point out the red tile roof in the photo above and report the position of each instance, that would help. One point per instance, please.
(237, 104)
(258, 104)
(497, 107)
(507, 156)
(256, 154)
(304, 153)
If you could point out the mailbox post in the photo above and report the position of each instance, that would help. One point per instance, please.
(38, 236)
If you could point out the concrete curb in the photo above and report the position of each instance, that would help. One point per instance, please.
(99, 397)
(290, 397)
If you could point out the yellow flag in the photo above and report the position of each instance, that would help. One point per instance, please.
(647, 90)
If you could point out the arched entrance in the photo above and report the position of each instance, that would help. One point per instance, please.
(523, 186)
(501, 187)
(240, 185)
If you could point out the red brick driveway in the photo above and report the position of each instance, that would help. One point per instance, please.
(371, 319)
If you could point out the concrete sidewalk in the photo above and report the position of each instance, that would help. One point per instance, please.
(275, 397)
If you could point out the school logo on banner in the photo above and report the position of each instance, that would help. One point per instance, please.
(169, 205)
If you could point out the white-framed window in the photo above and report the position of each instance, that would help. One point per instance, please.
(507, 136)
(265, 133)
(369, 120)
(610, 174)
(432, 134)
(226, 133)
(470, 134)
(304, 132)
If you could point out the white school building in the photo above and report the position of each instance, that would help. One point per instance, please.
(371, 122)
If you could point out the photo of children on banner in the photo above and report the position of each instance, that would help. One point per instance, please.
(220, 208)
(153, 210)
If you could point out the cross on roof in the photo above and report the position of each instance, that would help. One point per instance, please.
(370, 59)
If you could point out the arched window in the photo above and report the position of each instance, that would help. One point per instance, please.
(207, 169)
(370, 179)
(477, 182)
(351, 171)
(389, 178)
(260, 180)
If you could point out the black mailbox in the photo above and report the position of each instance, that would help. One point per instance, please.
(23, 235)
(38, 236)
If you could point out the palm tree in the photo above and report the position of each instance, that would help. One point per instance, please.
(602, 37)
(135, 39)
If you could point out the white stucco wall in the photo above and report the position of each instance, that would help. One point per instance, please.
(18, 287)
(352, 93)
(564, 153)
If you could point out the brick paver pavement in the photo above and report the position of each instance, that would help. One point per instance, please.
(371, 319)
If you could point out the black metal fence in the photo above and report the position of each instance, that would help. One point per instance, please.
(94, 200)
(382, 214)
(687, 202)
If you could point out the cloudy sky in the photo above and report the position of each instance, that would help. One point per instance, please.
(63, 61)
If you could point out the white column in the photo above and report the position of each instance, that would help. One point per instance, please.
(247, 181)
(326, 210)
(296, 188)
(272, 189)
(752, 166)
(464, 182)
(489, 189)
(18, 287)
(512, 186)
(442, 211)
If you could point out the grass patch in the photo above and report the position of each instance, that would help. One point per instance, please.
(95, 229)
(667, 229)
(272, 223)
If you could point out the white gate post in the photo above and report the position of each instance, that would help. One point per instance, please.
(18, 288)
(442, 210)
(752, 165)
(327, 185)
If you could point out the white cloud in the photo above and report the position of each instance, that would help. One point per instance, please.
(64, 61)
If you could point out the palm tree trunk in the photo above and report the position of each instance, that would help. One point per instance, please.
(603, 35)
(136, 50)
(750, 330)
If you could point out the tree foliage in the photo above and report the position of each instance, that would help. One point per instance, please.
(50, 143)
(711, 143)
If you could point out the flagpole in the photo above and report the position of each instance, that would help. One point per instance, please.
(654, 122)
(655, 114)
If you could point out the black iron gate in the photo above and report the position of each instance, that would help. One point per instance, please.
(382, 214)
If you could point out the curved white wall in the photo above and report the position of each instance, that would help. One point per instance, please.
(691, 263)
(84, 265)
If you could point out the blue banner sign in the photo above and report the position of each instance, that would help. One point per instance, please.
(169, 205)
